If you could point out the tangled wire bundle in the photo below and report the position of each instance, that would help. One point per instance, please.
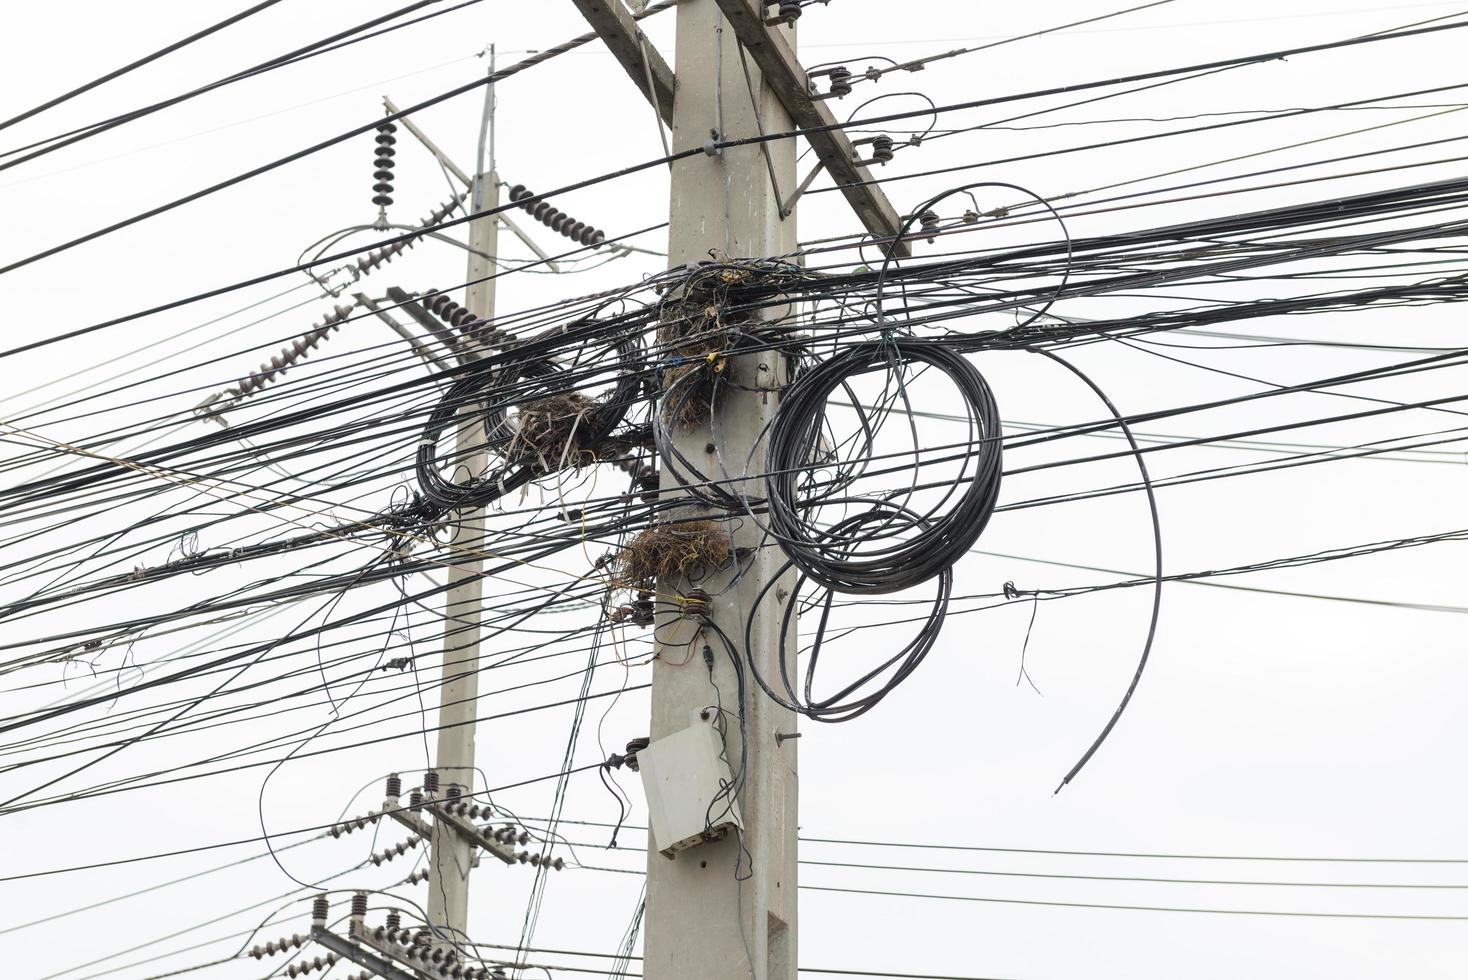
(695, 342)
(557, 426)
(718, 309)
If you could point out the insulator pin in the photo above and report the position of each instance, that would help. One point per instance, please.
(290, 942)
(840, 81)
(643, 610)
(789, 11)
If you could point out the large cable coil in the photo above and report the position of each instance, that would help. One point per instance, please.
(907, 547)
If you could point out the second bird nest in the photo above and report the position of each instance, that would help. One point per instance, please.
(668, 550)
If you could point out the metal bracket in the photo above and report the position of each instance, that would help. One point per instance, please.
(422, 349)
(786, 209)
(410, 305)
(428, 144)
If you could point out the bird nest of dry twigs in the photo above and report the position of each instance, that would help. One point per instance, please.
(666, 550)
(549, 431)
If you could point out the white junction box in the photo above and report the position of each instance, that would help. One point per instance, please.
(685, 780)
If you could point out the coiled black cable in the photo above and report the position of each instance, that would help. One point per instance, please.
(909, 548)
(865, 692)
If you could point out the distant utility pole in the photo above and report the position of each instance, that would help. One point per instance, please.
(452, 852)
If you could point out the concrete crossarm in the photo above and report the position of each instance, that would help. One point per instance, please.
(783, 72)
(625, 40)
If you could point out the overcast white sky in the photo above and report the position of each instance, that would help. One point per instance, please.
(1267, 725)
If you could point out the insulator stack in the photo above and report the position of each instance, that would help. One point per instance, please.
(420, 875)
(507, 834)
(359, 905)
(360, 823)
(394, 786)
(289, 355)
(882, 149)
(441, 306)
(840, 81)
(375, 259)
(555, 220)
(536, 860)
(430, 781)
(929, 221)
(394, 920)
(290, 942)
(319, 908)
(308, 966)
(383, 166)
(387, 854)
(415, 800)
(633, 747)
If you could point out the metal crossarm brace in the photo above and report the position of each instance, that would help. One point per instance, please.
(472, 833)
(467, 829)
(630, 46)
(408, 819)
(346, 948)
(422, 349)
(784, 74)
(366, 937)
(467, 181)
(409, 304)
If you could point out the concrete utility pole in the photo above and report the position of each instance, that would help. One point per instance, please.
(701, 922)
(736, 75)
(452, 852)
